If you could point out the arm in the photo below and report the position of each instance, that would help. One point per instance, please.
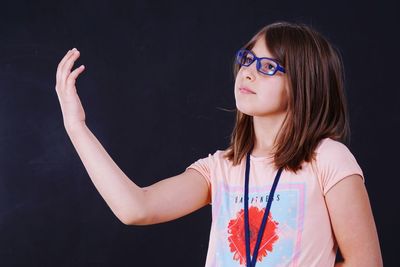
(353, 223)
(163, 201)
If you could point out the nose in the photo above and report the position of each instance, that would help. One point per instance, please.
(249, 71)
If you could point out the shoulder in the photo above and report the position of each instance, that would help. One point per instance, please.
(332, 151)
(212, 159)
(220, 154)
(218, 157)
(334, 161)
(327, 145)
(206, 164)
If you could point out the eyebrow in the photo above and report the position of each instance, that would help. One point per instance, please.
(251, 50)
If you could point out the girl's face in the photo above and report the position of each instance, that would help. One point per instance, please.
(269, 93)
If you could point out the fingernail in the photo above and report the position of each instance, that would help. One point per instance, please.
(74, 49)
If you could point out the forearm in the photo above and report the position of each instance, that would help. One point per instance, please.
(123, 196)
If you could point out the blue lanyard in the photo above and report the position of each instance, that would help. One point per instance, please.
(252, 262)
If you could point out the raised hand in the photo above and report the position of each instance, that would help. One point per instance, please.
(71, 107)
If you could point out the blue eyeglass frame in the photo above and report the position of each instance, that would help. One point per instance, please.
(258, 64)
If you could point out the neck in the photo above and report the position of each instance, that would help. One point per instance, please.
(266, 130)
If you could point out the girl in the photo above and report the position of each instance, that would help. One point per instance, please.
(287, 191)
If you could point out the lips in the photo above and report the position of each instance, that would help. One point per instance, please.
(246, 90)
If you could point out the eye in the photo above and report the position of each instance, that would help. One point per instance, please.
(244, 58)
(248, 59)
(268, 66)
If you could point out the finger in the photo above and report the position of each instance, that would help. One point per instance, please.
(59, 66)
(74, 75)
(66, 68)
(62, 63)
(67, 55)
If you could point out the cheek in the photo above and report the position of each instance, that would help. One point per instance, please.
(282, 95)
(235, 87)
(271, 97)
(238, 78)
(274, 96)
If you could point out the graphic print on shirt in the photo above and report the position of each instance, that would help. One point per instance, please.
(282, 236)
(236, 238)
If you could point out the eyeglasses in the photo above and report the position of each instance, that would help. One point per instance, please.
(265, 65)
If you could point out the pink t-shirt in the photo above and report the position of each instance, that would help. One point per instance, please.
(298, 231)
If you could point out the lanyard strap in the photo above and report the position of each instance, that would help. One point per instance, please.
(251, 262)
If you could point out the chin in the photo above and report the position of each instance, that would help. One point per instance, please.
(246, 110)
(255, 113)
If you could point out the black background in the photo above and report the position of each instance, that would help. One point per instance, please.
(158, 78)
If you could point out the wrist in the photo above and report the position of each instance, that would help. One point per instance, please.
(75, 128)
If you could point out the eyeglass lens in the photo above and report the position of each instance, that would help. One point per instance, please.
(267, 66)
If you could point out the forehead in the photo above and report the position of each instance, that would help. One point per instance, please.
(260, 48)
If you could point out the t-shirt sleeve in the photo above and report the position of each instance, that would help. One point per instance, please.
(203, 166)
(335, 162)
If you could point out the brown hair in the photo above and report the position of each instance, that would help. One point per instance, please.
(317, 106)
